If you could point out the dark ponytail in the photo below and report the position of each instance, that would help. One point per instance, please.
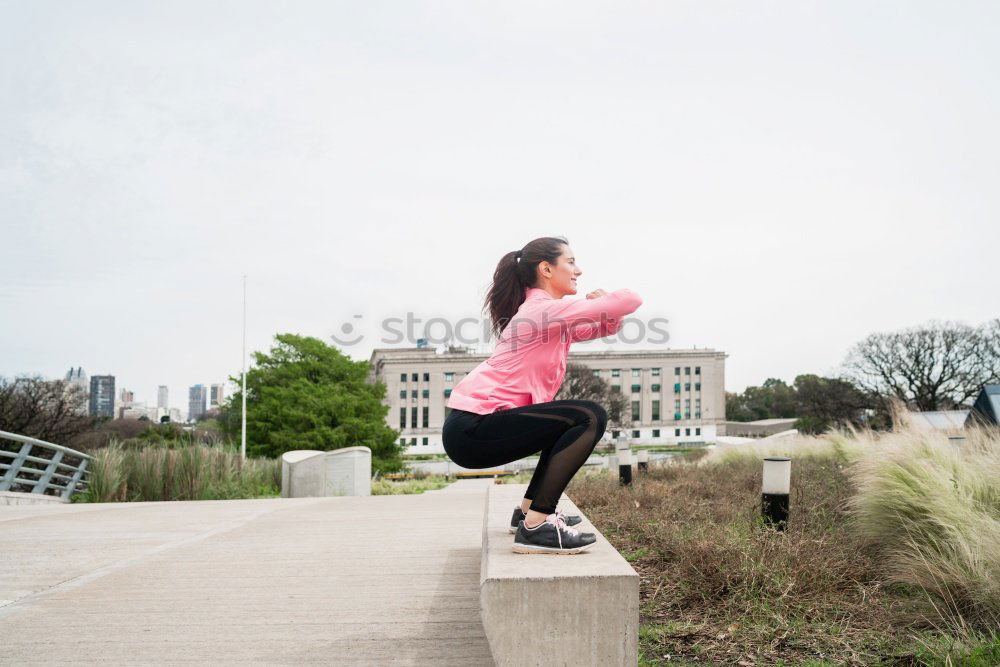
(516, 272)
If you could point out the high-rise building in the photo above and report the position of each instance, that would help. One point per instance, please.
(197, 402)
(102, 396)
(78, 377)
(215, 399)
(161, 397)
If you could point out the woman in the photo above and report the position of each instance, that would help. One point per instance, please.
(503, 409)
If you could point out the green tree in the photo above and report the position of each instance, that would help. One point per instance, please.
(306, 394)
(828, 402)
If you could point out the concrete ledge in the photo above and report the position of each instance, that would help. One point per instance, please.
(18, 498)
(307, 473)
(580, 609)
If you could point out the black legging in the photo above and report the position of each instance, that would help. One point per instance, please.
(565, 432)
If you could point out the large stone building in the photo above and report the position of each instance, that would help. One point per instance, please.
(676, 395)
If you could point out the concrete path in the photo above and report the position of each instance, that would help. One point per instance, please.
(342, 581)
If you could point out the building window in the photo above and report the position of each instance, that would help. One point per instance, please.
(449, 377)
(427, 377)
(413, 442)
(635, 434)
(697, 431)
(697, 386)
(687, 414)
(402, 441)
(413, 421)
(426, 393)
(614, 434)
(697, 404)
(635, 410)
(426, 417)
(656, 411)
(687, 431)
(597, 373)
(655, 388)
(677, 387)
(402, 418)
(616, 387)
(447, 393)
(636, 372)
(414, 377)
(677, 433)
(616, 372)
(687, 386)
(636, 388)
(687, 370)
(402, 377)
(697, 415)
(677, 370)
(413, 393)
(424, 442)
(402, 393)
(656, 433)
(656, 372)
(697, 370)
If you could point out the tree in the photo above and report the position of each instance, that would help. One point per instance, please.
(936, 366)
(580, 383)
(306, 394)
(823, 403)
(773, 399)
(50, 410)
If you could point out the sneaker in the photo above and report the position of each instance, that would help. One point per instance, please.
(518, 517)
(552, 536)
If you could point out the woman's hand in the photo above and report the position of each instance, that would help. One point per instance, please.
(596, 293)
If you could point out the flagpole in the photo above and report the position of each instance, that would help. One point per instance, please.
(243, 413)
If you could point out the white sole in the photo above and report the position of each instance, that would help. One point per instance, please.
(552, 551)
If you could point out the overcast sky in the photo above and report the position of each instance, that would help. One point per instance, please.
(778, 179)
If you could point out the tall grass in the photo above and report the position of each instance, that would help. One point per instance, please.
(928, 504)
(193, 472)
(933, 507)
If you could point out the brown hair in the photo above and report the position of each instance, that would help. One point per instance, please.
(517, 271)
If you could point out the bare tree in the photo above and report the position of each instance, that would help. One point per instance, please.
(937, 366)
(580, 383)
(51, 410)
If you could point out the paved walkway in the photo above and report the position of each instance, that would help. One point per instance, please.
(347, 581)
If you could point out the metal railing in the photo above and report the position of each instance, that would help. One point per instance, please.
(54, 475)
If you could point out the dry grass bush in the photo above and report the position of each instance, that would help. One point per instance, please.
(889, 534)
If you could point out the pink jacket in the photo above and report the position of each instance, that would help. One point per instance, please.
(529, 361)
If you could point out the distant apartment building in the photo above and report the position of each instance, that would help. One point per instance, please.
(162, 395)
(675, 396)
(76, 377)
(197, 402)
(102, 396)
(216, 395)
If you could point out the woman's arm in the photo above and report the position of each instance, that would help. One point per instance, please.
(590, 317)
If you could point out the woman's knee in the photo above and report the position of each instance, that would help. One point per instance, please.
(597, 413)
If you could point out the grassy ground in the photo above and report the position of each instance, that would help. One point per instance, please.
(864, 574)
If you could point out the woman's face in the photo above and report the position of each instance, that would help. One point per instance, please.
(563, 274)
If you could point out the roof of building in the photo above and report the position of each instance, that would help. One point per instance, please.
(986, 409)
(944, 419)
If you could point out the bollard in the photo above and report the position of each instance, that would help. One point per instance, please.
(643, 461)
(624, 451)
(774, 490)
